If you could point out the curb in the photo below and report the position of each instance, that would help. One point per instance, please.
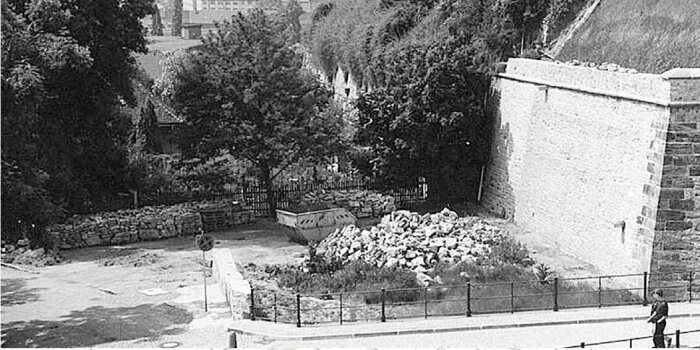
(268, 336)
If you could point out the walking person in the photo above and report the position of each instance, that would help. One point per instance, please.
(659, 313)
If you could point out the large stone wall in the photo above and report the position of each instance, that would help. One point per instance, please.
(677, 238)
(579, 155)
(126, 226)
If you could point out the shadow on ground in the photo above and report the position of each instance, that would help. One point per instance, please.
(97, 325)
(15, 292)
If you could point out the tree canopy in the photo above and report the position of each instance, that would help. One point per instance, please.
(428, 121)
(244, 92)
(66, 72)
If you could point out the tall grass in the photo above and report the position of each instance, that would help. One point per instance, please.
(651, 36)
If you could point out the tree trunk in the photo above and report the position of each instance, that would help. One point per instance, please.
(266, 180)
(177, 18)
(157, 24)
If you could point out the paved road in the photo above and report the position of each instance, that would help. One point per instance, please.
(546, 336)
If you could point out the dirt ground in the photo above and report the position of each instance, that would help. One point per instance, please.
(94, 298)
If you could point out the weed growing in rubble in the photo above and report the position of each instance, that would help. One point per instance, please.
(317, 263)
(510, 251)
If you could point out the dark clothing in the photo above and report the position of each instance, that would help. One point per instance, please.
(659, 309)
(659, 335)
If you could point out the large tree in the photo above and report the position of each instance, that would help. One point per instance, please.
(428, 121)
(244, 92)
(66, 72)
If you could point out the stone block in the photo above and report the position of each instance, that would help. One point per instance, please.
(683, 182)
(674, 215)
(675, 171)
(679, 148)
(678, 225)
(682, 204)
(682, 127)
(694, 170)
(671, 193)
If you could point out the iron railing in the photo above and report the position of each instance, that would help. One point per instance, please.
(468, 299)
(676, 336)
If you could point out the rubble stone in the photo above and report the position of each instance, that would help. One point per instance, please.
(408, 239)
(360, 203)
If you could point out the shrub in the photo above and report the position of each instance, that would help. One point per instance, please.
(510, 251)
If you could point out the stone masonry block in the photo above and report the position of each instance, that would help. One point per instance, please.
(683, 182)
(694, 170)
(686, 136)
(682, 127)
(665, 215)
(682, 204)
(678, 225)
(671, 193)
(679, 148)
(675, 171)
(685, 114)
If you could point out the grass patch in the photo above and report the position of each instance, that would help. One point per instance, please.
(649, 35)
(357, 276)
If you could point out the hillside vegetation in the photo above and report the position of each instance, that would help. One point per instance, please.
(362, 35)
(651, 36)
(422, 64)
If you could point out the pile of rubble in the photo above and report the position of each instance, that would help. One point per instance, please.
(606, 66)
(410, 240)
(360, 203)
(34, 257)
(127, 226)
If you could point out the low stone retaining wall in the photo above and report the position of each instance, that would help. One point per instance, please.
(126, 226)
(233, 285)
(360, 203)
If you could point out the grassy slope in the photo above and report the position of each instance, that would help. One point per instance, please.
(651, 36)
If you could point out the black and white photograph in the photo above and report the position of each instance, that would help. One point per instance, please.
(309, 174)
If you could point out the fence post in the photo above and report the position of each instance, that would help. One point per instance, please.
(383, 303)
(690, 286)
(232, 341)
(678, 338)
(341, 308)
(512, 297)
(298, 310)
(425, 296)
(630, 343)
(600, 294)
(646, 276)
(469, 299)
(556, 295)
(252, 303)
(275, 296)
(583, 345)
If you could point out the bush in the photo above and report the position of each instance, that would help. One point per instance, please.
(510, 251)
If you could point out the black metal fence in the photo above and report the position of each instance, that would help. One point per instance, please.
(675, 337)
(255, 196)
(467, 299)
